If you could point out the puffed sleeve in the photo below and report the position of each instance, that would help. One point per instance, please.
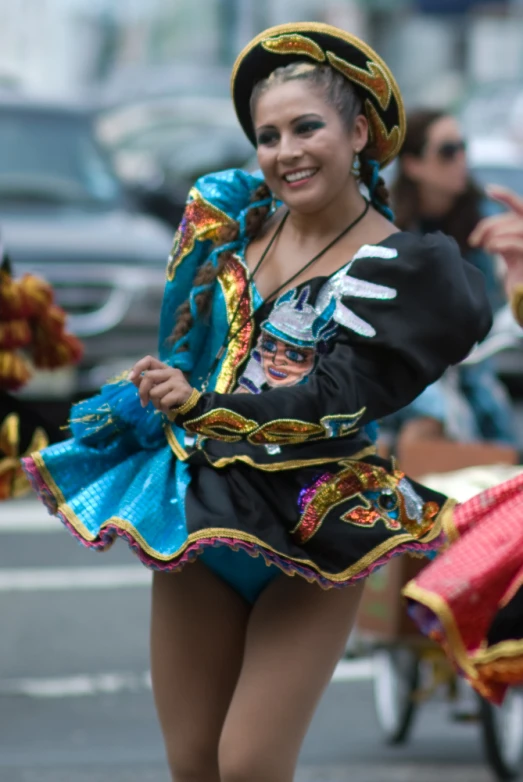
(215, 202)
(406, 308)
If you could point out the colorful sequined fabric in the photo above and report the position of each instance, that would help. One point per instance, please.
(474, 588)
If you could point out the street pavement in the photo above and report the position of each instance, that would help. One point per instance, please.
(75, 698)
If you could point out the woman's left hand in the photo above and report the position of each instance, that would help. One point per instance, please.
(164, 386)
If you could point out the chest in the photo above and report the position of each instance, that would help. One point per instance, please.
(288, 265)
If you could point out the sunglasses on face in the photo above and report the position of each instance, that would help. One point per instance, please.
(448, 150)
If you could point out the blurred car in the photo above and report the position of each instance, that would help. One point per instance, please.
(161, 145)
(65, 215)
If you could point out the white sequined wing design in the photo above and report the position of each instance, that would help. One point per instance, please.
(342, 284)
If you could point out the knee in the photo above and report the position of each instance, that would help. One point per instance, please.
(196, 765)
(242, 762)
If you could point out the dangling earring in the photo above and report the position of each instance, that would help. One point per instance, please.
(356, 166)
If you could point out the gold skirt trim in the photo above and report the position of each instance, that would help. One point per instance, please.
(380, 551)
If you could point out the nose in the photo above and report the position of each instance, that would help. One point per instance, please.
(289, 148)
(279, 356)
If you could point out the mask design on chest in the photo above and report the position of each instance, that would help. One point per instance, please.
(291, 338)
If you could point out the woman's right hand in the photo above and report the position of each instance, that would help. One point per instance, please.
(164, 386)
(502, 235)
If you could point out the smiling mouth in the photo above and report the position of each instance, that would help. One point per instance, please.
(277, 375)
(299, 177)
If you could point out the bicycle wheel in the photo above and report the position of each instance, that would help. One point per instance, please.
(396, 677)
(502, 728)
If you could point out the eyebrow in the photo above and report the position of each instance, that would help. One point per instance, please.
(310, 115)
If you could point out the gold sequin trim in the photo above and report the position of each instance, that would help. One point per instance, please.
(235, 535)
(233, 282)
(290, 464)
(386, 145)
(187, 406)
(201, 221)
(294, 44)
(227, 425)
(351, 484)
(374, 79)
(221, 424)
(180, 453)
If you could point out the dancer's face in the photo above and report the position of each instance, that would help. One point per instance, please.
(304, 149)
(284, 364)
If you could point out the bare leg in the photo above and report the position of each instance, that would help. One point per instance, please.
(295, 637)
(197, 640)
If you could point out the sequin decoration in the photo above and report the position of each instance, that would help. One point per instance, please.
(375, 496)
(285, 432)
(385, 144)
(221, 424)
(201, 221)
(233, 281)
(294, 44)
(341, 285)
(229, 426)
(374, 79)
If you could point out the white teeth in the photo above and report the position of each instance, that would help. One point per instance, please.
(300, 175)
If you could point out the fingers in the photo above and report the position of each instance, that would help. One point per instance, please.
(506, 197)
(145, 364)
(492, 228)
(174, 398)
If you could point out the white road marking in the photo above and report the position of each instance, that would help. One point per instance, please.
(111, 683)
(67, 578)
(27, 516)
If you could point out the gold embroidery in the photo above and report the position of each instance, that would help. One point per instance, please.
(233, 535)
(233, 281)
(180, 453)
(374, 79)
(221, 424)
(294, 28)
(201, 221)
(187, 406)
(290, 464)
(294, 44)
(353, 483)
(386, 145)
(285, 432)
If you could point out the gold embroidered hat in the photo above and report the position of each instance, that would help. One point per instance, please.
(325, 45)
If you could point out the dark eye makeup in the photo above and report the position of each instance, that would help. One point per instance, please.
(301, 127)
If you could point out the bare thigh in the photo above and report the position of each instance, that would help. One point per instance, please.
(296, 634)
(197, 638)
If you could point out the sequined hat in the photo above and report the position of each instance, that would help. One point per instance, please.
(325, 45)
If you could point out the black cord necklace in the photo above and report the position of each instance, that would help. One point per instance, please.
(230, 337)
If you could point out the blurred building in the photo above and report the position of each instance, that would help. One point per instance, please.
(438, 49)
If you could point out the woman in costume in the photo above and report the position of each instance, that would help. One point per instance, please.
(32, 333)
(471, 598)
(294, 314)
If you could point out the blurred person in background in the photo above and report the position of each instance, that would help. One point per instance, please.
(433, 191)
(471, 598)
(294, 314)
